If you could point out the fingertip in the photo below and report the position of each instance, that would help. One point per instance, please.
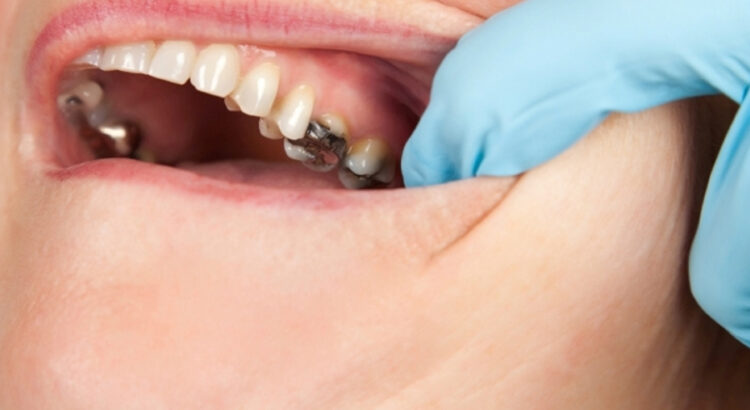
(413, 167)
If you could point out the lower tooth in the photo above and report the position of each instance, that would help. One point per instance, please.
(351, 181)
(387, 174)
(296, 152)
(145, 155)
(124, 137)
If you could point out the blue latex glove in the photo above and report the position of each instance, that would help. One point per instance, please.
(532, 80)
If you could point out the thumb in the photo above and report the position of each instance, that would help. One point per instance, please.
(720, 257)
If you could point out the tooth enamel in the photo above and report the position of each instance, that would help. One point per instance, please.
(269, 129)
(351, 181)
(92, 58)
(217, 70)
(335, 124)
(296, 152)
(173, 62)
(130, 58)
(257, 92)
(231, 105)
(367, 157)
(89, 93)
(388, 173)
(294, 113)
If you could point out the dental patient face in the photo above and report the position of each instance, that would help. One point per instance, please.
(165, 244)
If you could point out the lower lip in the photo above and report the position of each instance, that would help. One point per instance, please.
(187, 182)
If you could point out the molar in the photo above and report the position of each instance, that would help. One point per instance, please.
(89, 93)
(173, 61)
(336, 124)
(257, 91)
(367, 157)
(130, 58)
(217, 70)
(293, 114)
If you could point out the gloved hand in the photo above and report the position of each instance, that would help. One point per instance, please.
(532, 80)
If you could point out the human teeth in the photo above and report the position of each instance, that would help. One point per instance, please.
(173, 62)
(387, 173)
(92, 58)
(131, 58)
(257, 92)
(367, 157)
(217, 70)
(335, 124)
(351, 181)
(293, 114)
(89, 93)
(125, 137)
(296, 152)
(231, 105)
(269, 129)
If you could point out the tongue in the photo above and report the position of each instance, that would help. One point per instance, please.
(266, 174)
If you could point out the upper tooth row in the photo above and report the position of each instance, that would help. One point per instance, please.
(215, 70)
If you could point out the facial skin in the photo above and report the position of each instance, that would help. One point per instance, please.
(563, 288)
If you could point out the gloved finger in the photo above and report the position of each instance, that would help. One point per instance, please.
(720, 256)
(532, 80)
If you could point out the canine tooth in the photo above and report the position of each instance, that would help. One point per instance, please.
(257, 91)
(217, 70)
(269, 129)
(294, 113)
(89, 93)
(296, 152)
(91, 58)
(173, 61)
(231, 105)
(335, 124)
(367, 157)
(130, 58)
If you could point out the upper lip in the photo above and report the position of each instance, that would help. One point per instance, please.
(310, 24)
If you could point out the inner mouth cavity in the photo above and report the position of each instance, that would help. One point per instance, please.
(302, 119)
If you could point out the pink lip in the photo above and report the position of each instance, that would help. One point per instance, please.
(267, 23)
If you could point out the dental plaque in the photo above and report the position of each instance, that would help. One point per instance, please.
(110, 128)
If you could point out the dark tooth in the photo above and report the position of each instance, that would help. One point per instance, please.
(326, 149)
(123, 138)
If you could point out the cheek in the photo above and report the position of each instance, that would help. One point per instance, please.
(175, 338)
(591, 244)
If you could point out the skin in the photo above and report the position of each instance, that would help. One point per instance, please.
(569, 291)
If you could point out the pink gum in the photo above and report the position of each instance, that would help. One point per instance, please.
(369, 94)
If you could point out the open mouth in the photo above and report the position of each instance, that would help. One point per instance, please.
(279, 116)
